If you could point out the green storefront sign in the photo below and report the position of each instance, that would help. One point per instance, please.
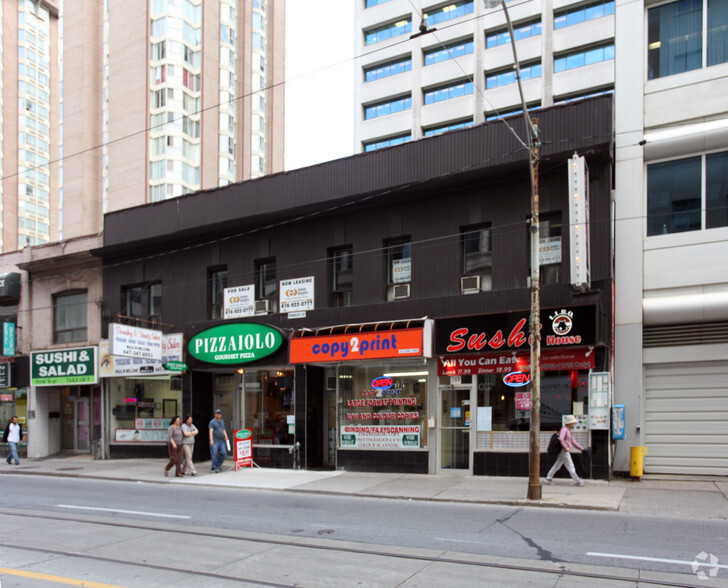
(235, 343)
(61, 367)
(410, 440)
(348, 440)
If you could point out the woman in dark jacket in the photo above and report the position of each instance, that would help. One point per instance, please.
(174, 445)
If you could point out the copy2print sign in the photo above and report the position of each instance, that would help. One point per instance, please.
(357, 346)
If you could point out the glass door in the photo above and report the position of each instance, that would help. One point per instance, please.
(82, 425)
(454, 450)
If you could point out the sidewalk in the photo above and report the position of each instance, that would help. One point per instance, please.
(680, 495)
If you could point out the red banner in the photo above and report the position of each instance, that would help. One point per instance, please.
(503, 363)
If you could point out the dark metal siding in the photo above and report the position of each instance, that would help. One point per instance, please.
(430, 163)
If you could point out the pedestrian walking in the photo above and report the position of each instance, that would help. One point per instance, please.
(12, 436)
(564, 458)
(218, 441)
(189, 432)
(174, 445)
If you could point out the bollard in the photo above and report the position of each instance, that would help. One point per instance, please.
(637, 461)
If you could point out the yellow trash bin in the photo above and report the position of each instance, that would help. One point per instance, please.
(637, 461)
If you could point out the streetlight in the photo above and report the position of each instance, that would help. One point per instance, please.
(532, 144)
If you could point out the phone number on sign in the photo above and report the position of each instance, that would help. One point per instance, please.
(297, 305)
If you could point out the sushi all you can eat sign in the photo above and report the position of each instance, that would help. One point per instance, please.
(60, 367)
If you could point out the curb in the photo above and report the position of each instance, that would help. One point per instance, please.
(522, 502)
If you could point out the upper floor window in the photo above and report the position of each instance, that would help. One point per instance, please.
(452, 51)
(380, 143)
(142, 302)
(388, 107)
(676, 41)
(266, 285)
(447, 92)
(478, 254)
(217, 282)
(342, 276)
(449, 127)
(69, 321)
(399, 261)
(370, 3)
(393, 29)
(549, 247)
(583, 14)
(509, 76)
(504, 37)
(448, 12)
(677, 194)
(384, 70)
(583, 57)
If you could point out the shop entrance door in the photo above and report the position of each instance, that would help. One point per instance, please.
(455, 430)
(75, 428)
(225, 400)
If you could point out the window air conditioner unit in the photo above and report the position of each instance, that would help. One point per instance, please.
(400, 291)
(469, 284)
(262, 306)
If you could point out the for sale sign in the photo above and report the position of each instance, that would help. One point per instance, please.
(243, 448)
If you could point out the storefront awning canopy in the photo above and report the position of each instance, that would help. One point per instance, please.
(362, 327)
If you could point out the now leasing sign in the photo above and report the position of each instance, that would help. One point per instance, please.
(60, 367)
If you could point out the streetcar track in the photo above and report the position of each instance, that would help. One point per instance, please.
(307, 543)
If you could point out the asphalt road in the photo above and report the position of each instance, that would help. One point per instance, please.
(608, 539)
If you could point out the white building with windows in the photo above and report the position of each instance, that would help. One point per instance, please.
(671, 233)
(461, 73)
(667, 64)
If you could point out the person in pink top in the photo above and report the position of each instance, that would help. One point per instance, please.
(564, 457)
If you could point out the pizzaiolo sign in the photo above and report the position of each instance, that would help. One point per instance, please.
(235, 343)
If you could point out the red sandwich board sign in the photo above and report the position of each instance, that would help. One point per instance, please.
(243, 448)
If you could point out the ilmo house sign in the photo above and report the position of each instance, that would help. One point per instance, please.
(235, 343)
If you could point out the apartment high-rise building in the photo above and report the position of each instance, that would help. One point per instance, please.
(461, 72)
(112, 104)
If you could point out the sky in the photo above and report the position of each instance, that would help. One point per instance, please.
(320, 81)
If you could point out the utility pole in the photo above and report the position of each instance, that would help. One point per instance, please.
(532, 144)
(534, 472)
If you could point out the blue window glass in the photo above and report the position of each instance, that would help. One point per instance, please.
(450, 52)
(446, 128)
(370, 3)
(447, 92)
(583, 14)
(504, 37)
(674, 38)
(509, 76)
(393, 29)
(373, 146)
(716, 190)
(673, 196)
(582, 58)
(389, 107)
(448, 12)
(385, 70)
(717, 31)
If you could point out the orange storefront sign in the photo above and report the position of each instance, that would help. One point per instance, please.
(357, 346)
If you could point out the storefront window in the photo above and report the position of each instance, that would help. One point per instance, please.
(382, 406)
(269, 406)
(141, 408)
(508, 404)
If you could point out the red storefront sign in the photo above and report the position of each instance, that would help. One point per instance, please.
(523, 401)
(357, 346)
(503, 363)
(243, 448)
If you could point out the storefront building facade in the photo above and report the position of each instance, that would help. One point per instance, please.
(355, 267)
